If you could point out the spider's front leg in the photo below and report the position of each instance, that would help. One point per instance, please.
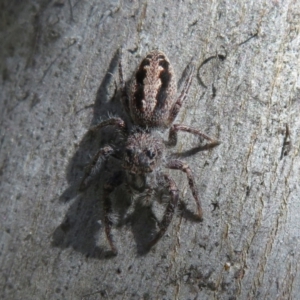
(176, 164)
(112, 183)
(102, 155)
(104, 152)
(173, 133)
(118, 122)
(174, 194)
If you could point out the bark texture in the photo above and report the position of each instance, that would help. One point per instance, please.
(58, 72)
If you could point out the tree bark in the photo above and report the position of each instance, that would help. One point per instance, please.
(59, 71)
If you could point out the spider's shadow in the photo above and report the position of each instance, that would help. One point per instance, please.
(82, 222)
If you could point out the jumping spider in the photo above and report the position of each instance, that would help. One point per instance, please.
(150, 101)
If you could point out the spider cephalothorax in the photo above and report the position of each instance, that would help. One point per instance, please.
(143, 152)
(152, 106)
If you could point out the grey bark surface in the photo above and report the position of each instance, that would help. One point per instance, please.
(58, 71)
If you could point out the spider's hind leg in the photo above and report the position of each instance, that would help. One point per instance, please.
(124, 92)
(111, 184)
(182, 97)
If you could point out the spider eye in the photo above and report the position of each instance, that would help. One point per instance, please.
(150, 154)
(129, 153)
